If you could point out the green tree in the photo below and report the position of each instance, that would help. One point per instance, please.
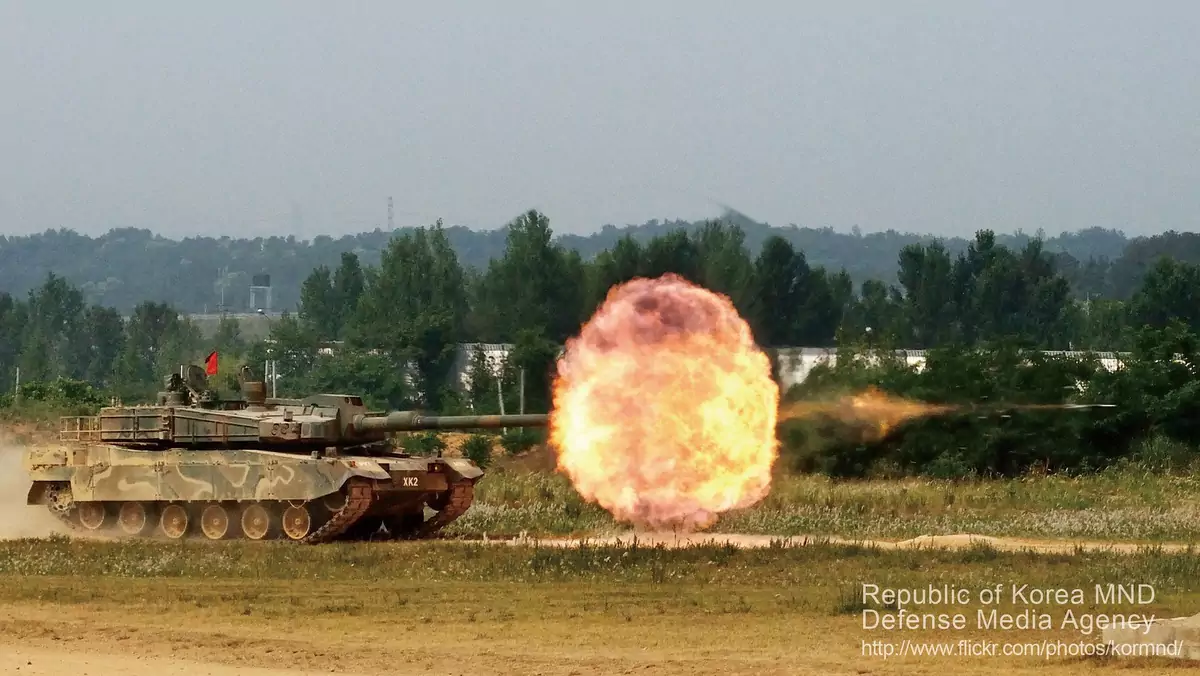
(673, 252)
(414, 307)
(877, 315)
(13, 315)
(105, 330)
(156, 341)
(929, 295)
(536, 285)
(1169, 291)
(377, 377)
(1104, 325)
(54, 340)
(612, 267)
(294, 348)
(318, 304)
(725, 265)
(789, 302)
(349, 282)
(228, 338)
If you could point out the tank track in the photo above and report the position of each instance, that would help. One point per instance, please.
(462, 494)
(358, 501)
(65, 518)
(67, 515)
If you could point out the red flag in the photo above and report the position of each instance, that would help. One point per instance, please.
(210, 364)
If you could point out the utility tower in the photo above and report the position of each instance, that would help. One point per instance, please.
(260, 289)
(391, 220)
(223, 282)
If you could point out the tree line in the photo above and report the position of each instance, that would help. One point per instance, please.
(127, 266)
(395, 326)
(420, 300)
(1004, 417)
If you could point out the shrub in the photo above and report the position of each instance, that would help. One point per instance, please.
(517, 440)
(427, 443)
(478, 449)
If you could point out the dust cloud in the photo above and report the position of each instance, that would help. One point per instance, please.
(18, 520)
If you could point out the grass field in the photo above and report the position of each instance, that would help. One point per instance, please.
(1129, 504)
(496, 609)
(463, 607)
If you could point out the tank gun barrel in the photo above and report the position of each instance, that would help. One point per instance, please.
(404, 421)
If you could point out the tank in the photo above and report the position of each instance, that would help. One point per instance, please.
(310, 470)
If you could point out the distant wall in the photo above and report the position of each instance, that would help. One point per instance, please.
(253, 325)
(795, 363)
(494, 354)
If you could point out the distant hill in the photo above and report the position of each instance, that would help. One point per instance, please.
(126, 266)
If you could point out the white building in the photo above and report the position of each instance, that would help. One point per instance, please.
(794, 364)
(493, 353)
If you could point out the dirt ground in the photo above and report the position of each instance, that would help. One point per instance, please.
(53, 662)
(100, 625)
(67, 641)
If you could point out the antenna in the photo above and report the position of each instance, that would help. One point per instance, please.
(391, 220)
(223, 281)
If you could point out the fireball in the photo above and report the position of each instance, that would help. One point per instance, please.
(664, 408)
(886, 411)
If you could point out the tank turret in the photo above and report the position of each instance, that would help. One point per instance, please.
(189, 414)
(311, 469)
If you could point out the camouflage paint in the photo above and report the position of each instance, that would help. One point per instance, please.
(105, 472)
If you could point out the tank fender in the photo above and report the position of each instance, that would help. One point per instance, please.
(368, 469)
(48, 464)
(51, 473)
(37, 493)
(463, 467)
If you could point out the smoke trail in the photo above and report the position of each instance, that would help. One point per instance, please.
(871, 410)
(879, 413)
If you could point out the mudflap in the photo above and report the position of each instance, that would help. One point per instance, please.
(465, 469)
(37, 493)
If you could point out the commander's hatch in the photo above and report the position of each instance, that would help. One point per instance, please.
(196, 380)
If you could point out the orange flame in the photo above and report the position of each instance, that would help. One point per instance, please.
(664, 408)
(871, 407)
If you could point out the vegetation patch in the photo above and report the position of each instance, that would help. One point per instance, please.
(1128, 503)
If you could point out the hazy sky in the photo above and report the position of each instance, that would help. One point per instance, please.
(259, 117)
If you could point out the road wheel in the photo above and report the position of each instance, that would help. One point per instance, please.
(214, 522)
(297, 522)
(134, 518)
(174, 521)
(92, 515)
(256, 522)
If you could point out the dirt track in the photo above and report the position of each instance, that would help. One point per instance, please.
(50, 662)
(956, 541)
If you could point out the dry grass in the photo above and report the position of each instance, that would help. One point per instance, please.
(481, 609)
(1128, 504)
(461, 607)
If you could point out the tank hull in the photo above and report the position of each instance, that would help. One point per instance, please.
(252, 494)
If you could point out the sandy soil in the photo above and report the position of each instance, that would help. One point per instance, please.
(71, 641)
(50, 662)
